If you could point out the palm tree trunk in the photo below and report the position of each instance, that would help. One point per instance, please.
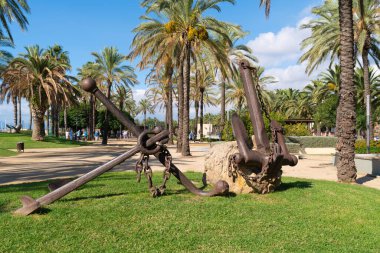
(318, 128)
(30, 116)
(180, 102)
(14, 102)
(19, 111)
(93, 116)
(347, 93)
(170, 112)
(223, 106)
(106, 118)
(196, 105)
(201, 117)
(91, 127)
(186, 104)
(47, 121)
(367, 86)
(144, 120)
(65, 118)
(38, 132)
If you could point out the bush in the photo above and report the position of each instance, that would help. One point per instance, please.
(293, 148)
(298, 129)
(361, 147)
(313, 141)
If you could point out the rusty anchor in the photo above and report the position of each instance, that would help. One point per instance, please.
(260, 168)
(149, 143)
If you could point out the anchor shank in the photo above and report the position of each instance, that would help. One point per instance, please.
(254, 107)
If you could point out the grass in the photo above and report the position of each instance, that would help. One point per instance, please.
(115, 214)
(9, 140)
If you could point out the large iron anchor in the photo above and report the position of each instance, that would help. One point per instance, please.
(146, 145)
(266, 162)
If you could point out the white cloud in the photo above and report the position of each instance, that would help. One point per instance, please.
(279, 53)
(274, 49)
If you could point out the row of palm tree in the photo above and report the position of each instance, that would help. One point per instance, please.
(188, 48)
(342, 29)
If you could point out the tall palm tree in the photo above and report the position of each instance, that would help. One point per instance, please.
(346, 116)
(144, 107)
(367, 33)
(13, 10)
(111, 67)
(57, 53)
(203, 92)
(190, 30)
(43, 78)
(89, 69)
(235, 53)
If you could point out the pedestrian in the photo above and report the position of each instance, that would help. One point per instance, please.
(71, 134)
(78, 134)
(191, 136)
(67, 134)
(96, 135)
(85, 135)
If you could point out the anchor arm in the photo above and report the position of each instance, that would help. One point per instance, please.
(220, 188)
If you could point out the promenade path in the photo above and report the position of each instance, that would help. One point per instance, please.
(47, 164)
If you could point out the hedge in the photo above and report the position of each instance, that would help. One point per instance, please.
(361, 147)
(294, 148)
(313, 141)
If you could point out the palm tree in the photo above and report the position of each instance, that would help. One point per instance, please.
(190, 33)
(145, 107)
(111, 67)
(367, 32)
(89, 69)
(202, 93)
(346, 116)
(13, 10)
(43, 78)
(57, 53)
(235, 53)
(160, 93)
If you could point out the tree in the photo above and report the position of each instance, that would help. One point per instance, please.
(145, 107)
(89, 69)
(367, 32)
(324, 41)
(13, 10)
(194, 33)
(346, 116)
(41, 77)
(57, 53)
(202, 93)
(111, 67)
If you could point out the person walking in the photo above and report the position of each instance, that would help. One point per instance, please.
(96, 135)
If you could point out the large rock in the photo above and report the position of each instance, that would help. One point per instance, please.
(216, 167)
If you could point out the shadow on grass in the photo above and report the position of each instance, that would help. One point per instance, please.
(296, 184)
(94, 197)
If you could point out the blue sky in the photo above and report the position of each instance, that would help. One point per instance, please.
(86, 26)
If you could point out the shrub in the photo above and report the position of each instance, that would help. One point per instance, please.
(293, 147)
(313, 141)
(298, 129)
(361, 147)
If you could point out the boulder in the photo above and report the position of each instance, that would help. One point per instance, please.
(216, 167)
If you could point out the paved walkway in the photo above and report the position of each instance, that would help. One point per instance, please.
(45, 164)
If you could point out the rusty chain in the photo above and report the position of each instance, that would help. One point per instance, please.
(142, 164)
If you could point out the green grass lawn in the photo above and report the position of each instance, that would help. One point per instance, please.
(8, 141)
(116, 214)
